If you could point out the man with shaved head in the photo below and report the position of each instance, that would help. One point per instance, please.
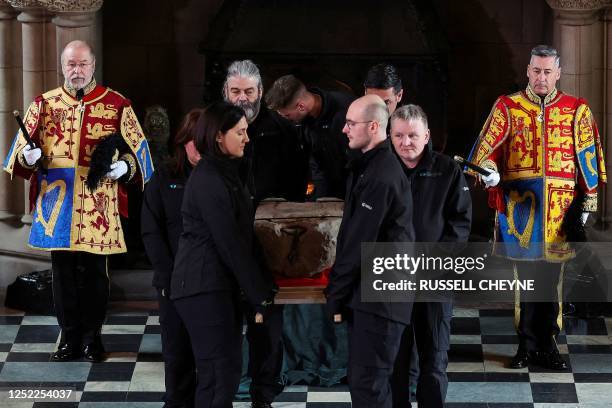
(75, 217)
(377, 208)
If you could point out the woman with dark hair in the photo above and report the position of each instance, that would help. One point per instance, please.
(215, 260)
(161, 226)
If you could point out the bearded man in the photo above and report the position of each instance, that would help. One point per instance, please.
(274, 167)
(276, 163)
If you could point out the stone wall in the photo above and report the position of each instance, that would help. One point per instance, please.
(151, 51)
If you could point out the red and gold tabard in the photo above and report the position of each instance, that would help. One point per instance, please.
(66, 215)
(546, 150)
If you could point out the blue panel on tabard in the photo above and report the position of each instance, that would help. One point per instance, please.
(144, 159)
(48, 230)
(587, 158)
(527, 213)
(10, 153)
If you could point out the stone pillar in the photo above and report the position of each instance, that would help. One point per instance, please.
(575, 26)
(606, 125)
(581, 42)
(51, 56)
(10, 99)
(596, 101)
(75, 20)
(34, 20)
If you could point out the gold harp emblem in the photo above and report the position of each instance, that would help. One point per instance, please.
(57, 205)
(516, 198)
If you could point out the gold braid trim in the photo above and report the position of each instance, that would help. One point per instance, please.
(535, 98)
(590, 203)
(131, 161)
(86, 89)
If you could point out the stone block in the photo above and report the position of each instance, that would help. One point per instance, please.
(298, 239)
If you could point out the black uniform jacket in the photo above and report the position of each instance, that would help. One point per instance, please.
(216, 246)
(276, 162)
(441, 199)
(161, 223)
(377, 208)
(328, 145)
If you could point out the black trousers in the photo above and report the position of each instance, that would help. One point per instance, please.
(179, 363)
(214, 323)
(80, 295)
(430, 330)
(265, 353)
(539, 322)
(373, 345)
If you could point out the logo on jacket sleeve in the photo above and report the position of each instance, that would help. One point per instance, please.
(366, 205)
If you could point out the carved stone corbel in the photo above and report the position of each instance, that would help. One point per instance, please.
(31, 11)
(578, 12)
(73, 13)
(7, 12)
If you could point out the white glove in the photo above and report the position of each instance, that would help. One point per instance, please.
(30, 155)
(584, 217)
(491, 180)
(118, 169)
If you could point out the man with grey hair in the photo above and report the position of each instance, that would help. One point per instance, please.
(243, 87)
(275, 163)
(544, 147)
(77, 222)
(442, 212)
(274, 166)
(377, 208)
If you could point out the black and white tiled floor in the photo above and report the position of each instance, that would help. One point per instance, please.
(482, 341)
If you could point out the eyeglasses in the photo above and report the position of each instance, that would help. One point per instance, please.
(72, 66)
(351, 123)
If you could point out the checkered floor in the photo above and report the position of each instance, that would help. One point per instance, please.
(482, 341)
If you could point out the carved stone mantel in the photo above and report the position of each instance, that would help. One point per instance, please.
(578, 12)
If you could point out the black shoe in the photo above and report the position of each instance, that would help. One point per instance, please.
(94, 352)
(521, 359)
(66, 352)
(552, 360)
(260, 404)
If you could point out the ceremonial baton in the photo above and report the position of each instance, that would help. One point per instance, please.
(475, 167)
(26, 135)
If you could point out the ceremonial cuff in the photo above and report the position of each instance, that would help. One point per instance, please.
(23, 162)
(590, 203)
(131, 162)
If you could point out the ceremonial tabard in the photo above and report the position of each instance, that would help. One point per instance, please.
(67, 216)
(547, 151)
